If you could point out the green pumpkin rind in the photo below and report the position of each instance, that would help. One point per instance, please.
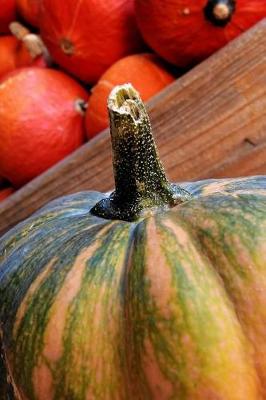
(169, 306)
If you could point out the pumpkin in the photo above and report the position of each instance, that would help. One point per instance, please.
(41, 121)
(17, 52)
(185, 32)
(6, 192)
(86, 37)
(34, 45)
(7, 14)
(9, 49)
(29, 10)
(146, 72)
(154, 291)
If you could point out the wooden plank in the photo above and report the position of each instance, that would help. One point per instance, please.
(209, 123)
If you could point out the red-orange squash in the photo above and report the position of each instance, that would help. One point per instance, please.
(185, 32)
(6, 192)
(29, 10)
(86, 37)
(146, 72)
(9, 49)
(155, 292)
(41, 121)
(15, 54)
(7, 14)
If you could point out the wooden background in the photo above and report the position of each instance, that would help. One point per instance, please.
(209, 123)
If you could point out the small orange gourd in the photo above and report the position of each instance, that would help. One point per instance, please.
(41, 121)
(86, 37)
(185, 32)
(146, 72)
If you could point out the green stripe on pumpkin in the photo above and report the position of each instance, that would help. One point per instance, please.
(233, 237)
(134, 333)
(182, 323)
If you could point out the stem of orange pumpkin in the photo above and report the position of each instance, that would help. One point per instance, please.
(32, 42)
(141, 186)
(219, 12)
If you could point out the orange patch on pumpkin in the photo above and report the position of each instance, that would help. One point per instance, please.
(53, 348)
(158, 271)
(43, 382)
(214, 187)
(160, 386)
(32, 289)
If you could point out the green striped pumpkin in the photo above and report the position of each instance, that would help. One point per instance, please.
(157, 291)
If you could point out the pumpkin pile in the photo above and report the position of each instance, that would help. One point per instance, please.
(59, 60)
(155, 291)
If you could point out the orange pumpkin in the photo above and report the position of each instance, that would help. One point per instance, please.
(86, 37)
(7, 14)
(41, 121)
(187, 31)
(146, 72)
(29, 10)
(15, 54)
(9, 48)
(6, 192)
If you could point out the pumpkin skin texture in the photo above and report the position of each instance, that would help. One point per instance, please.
(14, 54)
(180, 32)
(7, 14)
(88, 36)
(170, 305)
(41, 124)
(6, 192)
(9, 48)
(29, 10)
(147, 74)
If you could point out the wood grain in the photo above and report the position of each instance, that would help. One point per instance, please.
(209, 123)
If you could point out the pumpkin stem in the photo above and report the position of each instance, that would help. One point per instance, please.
(81, 106)
(32, 41)
(219, 12)
(67, 46)
(141, 186)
